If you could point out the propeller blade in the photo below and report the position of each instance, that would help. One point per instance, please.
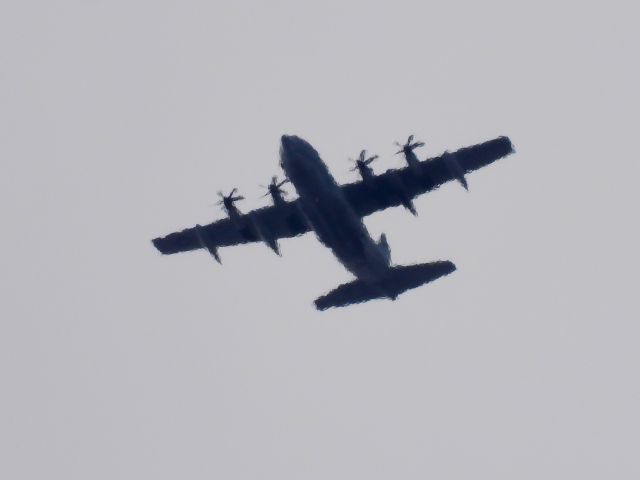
(286, 180)
(410, 139)
(370, 159)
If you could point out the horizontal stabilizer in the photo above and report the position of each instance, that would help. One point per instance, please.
(399, 279)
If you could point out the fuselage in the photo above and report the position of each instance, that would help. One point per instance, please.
(329, 213)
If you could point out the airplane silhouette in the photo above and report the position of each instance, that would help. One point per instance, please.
(335, 212)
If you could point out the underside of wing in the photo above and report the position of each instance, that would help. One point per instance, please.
(266, 224)
(400, 186)
(392, 188)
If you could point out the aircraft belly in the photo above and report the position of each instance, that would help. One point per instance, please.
(329, 212)
(342, 231)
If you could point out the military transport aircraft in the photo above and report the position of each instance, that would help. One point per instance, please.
(334, 212)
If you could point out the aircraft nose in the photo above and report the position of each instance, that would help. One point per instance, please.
(285, 148)
(289, 144)
(293, 149)
(286, 141)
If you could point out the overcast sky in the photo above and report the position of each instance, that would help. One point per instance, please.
(119, 122)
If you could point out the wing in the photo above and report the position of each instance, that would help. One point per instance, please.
(265, 224)
(284, 220)
(398, 187)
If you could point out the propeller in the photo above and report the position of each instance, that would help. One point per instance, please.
(275, 187)
(362, 162)
(229, 200)
(409, 146)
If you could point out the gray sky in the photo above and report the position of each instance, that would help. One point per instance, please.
(119, 122)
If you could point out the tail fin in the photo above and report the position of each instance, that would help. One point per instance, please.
(400, 279)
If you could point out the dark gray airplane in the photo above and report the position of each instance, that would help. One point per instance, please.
(334, 212)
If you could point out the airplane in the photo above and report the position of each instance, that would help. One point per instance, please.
(335, 214)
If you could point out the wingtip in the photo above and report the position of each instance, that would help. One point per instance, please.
(157, 244)
(450, 266)
(512, 148)
(319, 305)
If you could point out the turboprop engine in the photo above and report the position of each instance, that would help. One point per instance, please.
(228, 203)
(362, 165)
(407, 149)
(275, 190)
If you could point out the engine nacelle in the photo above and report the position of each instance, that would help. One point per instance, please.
(365, 171)
(264, 233)
(412, 159)
(276, 195)
(204, 244)
(456, 170)
(400, 192)
(275, 190)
